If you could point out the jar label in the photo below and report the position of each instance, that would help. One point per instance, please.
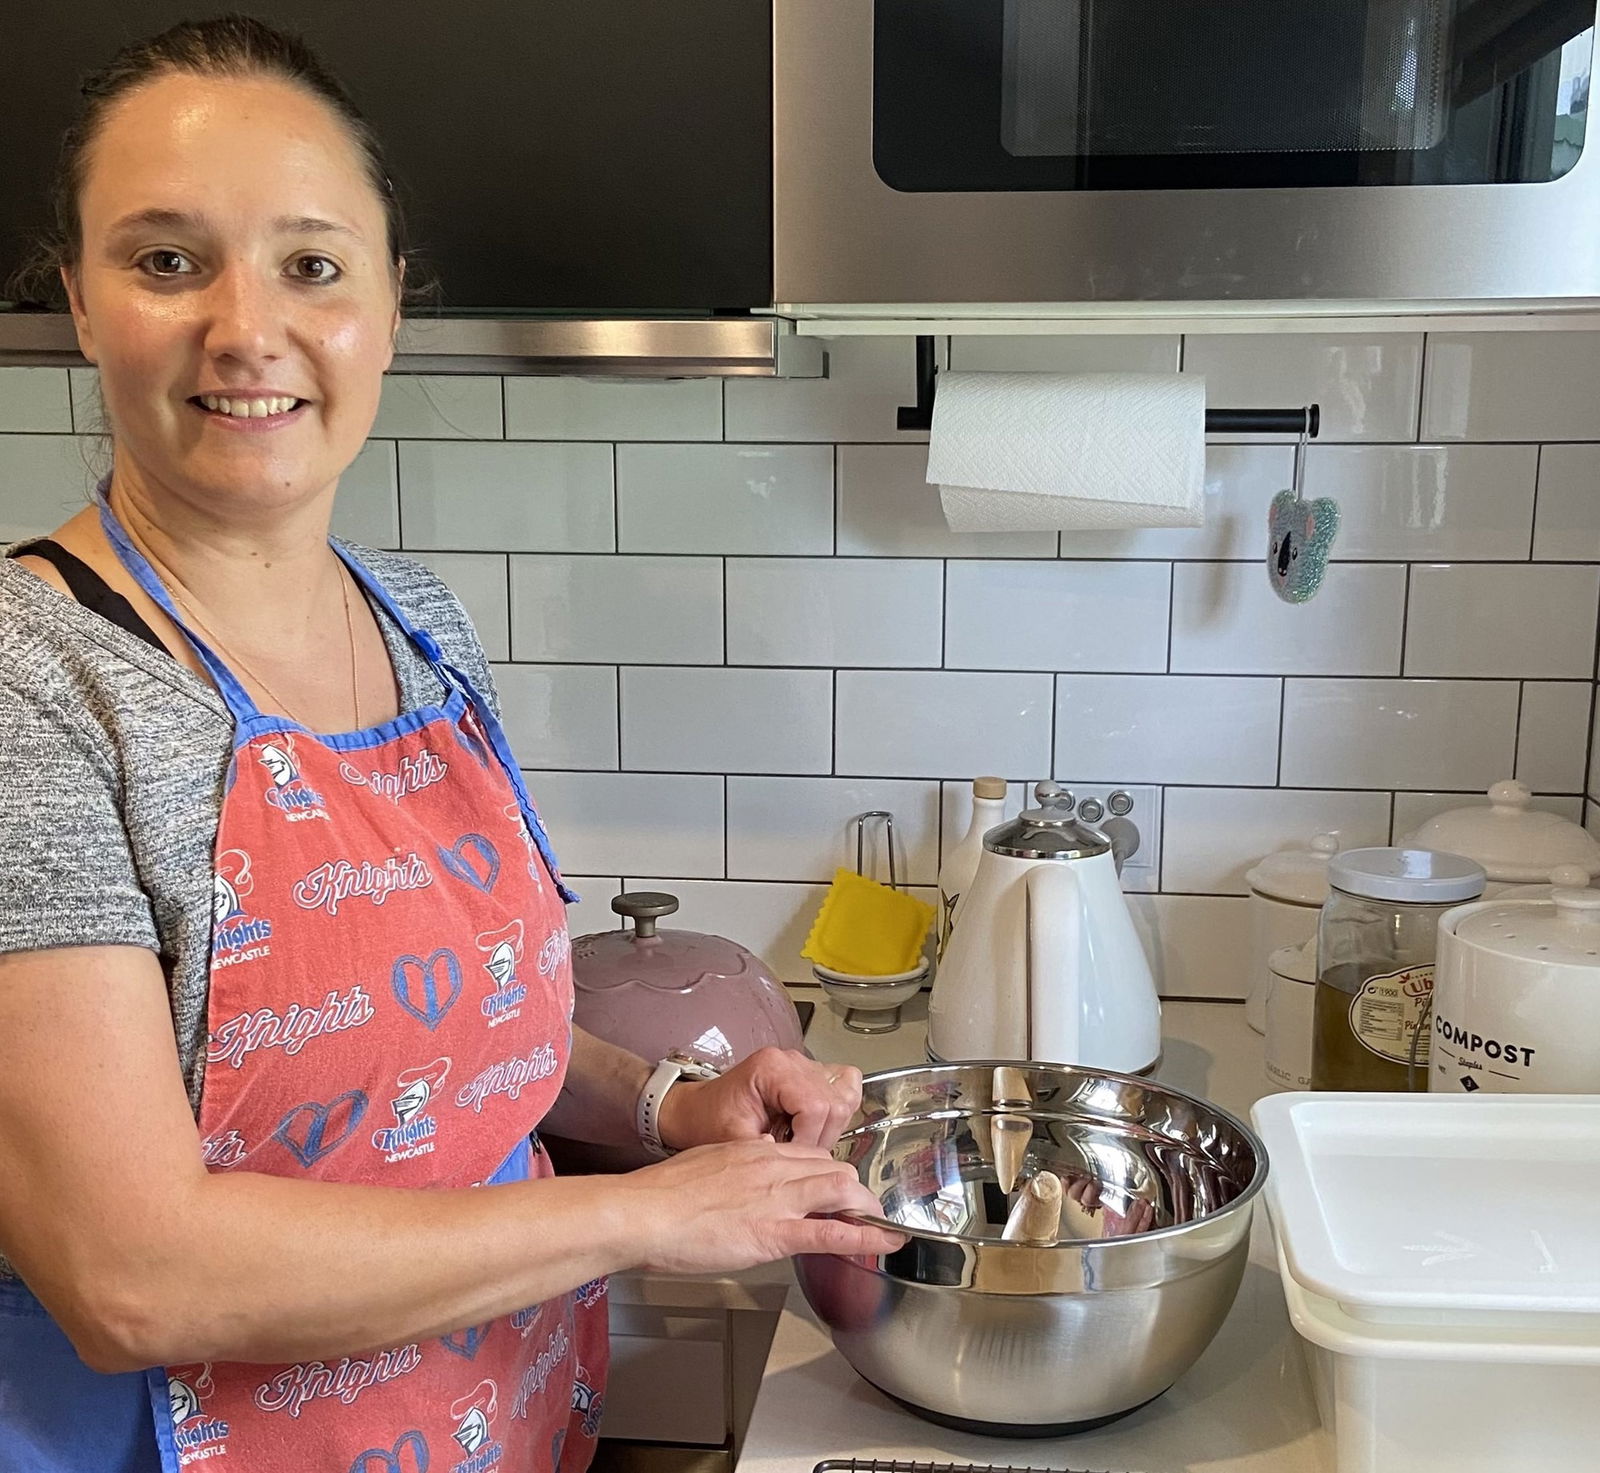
(1386, 1013)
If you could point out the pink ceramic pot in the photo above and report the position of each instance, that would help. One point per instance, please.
(652, 991)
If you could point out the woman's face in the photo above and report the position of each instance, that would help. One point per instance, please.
(233, 248)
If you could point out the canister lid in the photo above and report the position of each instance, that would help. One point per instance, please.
(1511, 839)
(1410, 876)
(1299, 876)
(1048, 831)
(988, 787)
(1561, 931)
(1296, 963)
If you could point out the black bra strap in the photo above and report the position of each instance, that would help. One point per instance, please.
(90, 589)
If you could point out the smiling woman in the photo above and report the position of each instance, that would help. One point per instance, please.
(332, 1183)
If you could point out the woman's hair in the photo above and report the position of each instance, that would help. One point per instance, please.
(225, 46)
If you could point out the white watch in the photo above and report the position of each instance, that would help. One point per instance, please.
(647, 1113)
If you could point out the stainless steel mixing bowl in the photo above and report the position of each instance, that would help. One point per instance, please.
(1022, 1340)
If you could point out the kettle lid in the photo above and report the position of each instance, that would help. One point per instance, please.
(1048, 830)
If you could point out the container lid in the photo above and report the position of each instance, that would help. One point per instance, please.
(1296, 875)
(1410, 876)
(1511, 839)
(1297, 963)
(1437, 1203)
(988, 787)
(1048, 831)
(1562, 931)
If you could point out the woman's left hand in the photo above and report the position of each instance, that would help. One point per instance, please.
(775, 1092)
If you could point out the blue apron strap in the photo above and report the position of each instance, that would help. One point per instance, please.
(237, 698)
(451, 676)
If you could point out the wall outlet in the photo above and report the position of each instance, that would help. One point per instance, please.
(1142, 871)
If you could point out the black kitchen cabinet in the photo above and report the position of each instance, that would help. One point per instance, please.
(578, 156)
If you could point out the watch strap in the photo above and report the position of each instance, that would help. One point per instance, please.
(647, 1113)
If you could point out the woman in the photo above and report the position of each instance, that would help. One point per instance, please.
(285, 961)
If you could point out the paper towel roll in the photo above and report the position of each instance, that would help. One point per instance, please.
(1017, 452)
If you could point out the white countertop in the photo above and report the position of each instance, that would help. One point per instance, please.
(1245, 1406)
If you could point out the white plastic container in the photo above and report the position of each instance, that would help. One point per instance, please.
(1408, 1399)
(1290, 1010)
(1287, 890)
(1440, 1259)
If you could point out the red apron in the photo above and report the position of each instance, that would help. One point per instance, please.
(391, 1004)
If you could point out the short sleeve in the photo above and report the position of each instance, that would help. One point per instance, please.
(67, 875)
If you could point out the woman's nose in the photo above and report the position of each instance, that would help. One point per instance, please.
(244, 316)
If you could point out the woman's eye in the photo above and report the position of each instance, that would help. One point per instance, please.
(315, 268)
(165, 263)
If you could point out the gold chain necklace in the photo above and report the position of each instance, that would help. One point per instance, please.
(349, 628)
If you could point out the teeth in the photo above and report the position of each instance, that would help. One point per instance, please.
(248, 408)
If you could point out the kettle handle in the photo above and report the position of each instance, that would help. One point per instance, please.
(1055, 930)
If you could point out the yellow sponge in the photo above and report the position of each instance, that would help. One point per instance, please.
(867, 929)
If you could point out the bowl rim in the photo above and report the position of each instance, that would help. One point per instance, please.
(1121, 1240)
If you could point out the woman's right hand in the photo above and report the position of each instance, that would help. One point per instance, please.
(731, 1206)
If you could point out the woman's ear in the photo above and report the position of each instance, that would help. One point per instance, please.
(80, 318)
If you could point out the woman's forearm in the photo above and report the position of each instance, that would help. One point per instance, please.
(600, 1095)
(260, 1268)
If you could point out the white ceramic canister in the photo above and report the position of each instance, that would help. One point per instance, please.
(1286, 893)
(1290, 1008)
(1516, 843)
(1516, 1001)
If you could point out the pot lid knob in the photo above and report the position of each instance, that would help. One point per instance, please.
(1510, 794)
(644, 908)
(1053, 801)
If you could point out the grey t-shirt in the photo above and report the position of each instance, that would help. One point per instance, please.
(112, 760)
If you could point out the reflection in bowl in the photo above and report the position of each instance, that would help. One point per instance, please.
(1017, 1338)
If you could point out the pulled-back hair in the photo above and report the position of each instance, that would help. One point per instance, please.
(225, 46)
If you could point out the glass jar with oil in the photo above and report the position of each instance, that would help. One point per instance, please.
(1375, 951)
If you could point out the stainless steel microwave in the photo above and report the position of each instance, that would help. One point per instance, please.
(1321, 153)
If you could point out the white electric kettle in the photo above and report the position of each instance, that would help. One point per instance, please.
(1043, 962)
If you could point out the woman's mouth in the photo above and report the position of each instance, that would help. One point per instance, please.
(249, 411)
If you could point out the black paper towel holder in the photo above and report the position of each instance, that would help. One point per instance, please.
(1306, 420)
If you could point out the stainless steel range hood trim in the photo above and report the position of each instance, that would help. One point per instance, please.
(716, 347)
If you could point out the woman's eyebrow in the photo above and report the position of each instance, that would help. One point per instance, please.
(166, 219)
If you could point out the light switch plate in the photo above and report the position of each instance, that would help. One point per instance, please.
(1142, 872)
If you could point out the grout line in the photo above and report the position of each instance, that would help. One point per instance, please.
(835, 470)
(724, 563)
(833, 725)
(505, 422)
(1283, 717)
(1533, 522)
(511, 645)
(617, 673)
(944, 611)
(1516, 740)
(616, 504)
(1405, 622)
(1172, 599)
(725, 874)
(1422, 388)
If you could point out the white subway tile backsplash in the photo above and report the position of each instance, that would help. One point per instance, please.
(1198, 945)
(594, 409)
(868, 379)
(1512, 386)
(1240, 482)
(1567, 527)
(1068, 353)
(506, 497)
(888, 509)
(366, 507)
(1424, 734)
(727, 720)
(909, 723)
(1167, 729)
(438, 407)
(478, 579)
(616, 610)
(1057, 616)
(800, 828)
(1405, 502)
(1412, 810)
(1553, 734)
(1211, 836)
(624, 821)
(560, 716)
(35, 400)
(772, 920)
(834, 611)
(1536, 621)
(47, 478)
(751, 499)
(1226, 620)
(1593, 787)
(1368, 385)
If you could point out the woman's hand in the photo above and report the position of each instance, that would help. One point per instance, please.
(727, 1207)
(775, 1092)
